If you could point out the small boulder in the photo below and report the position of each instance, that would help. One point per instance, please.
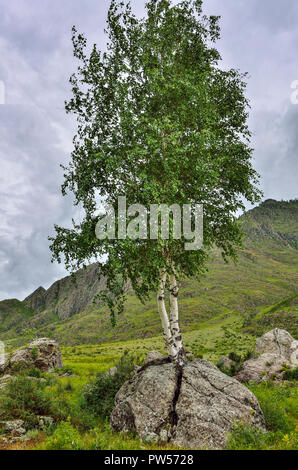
(45, 421)
(4, 361)
(153, 356)
(13, 428)
(225, 363)
(112, 371)
(4, 381)
(48, 355)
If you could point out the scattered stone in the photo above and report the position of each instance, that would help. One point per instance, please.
(276, 349)
(4, 381)
(225, 363)
(112, 371)
(13, 428)
(153, 356)
(4, 363)
(45, 421)
(194, 407)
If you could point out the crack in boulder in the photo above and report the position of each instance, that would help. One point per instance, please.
(184, 405)
(173, 416)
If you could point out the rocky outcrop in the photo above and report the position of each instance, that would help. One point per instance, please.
(68, 297)
(36, 300)
(43, 353)
(194, 407)
(276, 349)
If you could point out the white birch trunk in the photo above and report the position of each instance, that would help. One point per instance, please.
(174, 315)
(167, 332)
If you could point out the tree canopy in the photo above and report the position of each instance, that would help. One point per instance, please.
(160, 122)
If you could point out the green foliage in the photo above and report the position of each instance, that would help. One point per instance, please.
(159, 121)
(275, 401)
(34, 352)
(25, 398)
(235, 357)
(291, 374)
(279, 405)
(34, 372)
(246, 437)
(65, 437)
(63, 371)
(98, 396)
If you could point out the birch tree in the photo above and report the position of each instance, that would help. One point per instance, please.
(159, 121)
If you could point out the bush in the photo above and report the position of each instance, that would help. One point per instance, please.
(25, 398)
(234, 357)
(33, 372)
(65, 437)
(98, 396)
(244, 437)
(291, 374)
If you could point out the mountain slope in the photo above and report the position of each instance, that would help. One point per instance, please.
(258, 292)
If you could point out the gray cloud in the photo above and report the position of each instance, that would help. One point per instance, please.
(36, 136)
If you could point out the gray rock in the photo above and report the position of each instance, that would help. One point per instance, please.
(4, 363)
(112, 371)
(225, 363)
(194, 408)
(13, 428)
(209, 405)
(45, 421)
(4, 381)
(275, 348)
(143, 403)
(48, 356)
(278, 342)
(43, 353)
(153, 356)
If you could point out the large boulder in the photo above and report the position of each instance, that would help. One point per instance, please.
(194, 407)
(43, 353)
(276, 348)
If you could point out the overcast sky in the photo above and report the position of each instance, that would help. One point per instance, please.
(36, 60)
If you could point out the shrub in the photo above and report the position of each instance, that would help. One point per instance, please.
(234, 357)
(244, 437)
(25, 398)
(98, 396)
(33, 372)
(291, 374)
(65, 437)
(63, 371)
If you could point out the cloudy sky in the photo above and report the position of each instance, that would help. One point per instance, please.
(36, 60)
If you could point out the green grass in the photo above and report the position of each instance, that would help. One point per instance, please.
(79, 427)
